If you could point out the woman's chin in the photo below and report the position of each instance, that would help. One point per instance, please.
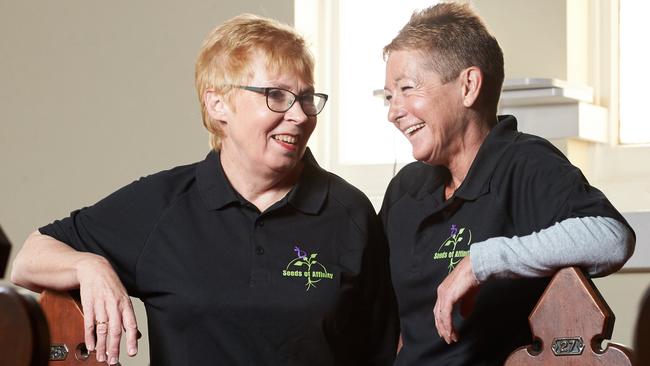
(419, 155)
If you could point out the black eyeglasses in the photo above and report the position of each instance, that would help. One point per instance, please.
(281, 100)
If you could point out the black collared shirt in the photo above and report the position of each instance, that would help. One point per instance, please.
(517, 184)
(304, 283)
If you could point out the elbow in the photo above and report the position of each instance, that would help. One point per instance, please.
(619, 252)
(19, 275)
(625, 249)
(16, 276)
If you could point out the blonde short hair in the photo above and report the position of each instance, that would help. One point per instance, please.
(225, 58)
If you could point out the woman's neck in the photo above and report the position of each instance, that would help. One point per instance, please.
(461, 161)
(259, 187)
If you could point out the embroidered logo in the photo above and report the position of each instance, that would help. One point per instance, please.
(306, 266)
(455, 247)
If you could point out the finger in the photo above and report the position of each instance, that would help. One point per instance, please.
(445, 307)
(101, 330)
(89, 326)
(438, 313)
(436, 318)
(131, 329)
(445, 323)
(114, 336)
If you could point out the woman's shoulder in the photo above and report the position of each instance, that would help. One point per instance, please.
(164, 186)
(171, 176)
(535, 152)
(416, 177)
(346, 194)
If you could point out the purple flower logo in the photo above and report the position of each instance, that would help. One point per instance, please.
(300, 253)
(453, 230)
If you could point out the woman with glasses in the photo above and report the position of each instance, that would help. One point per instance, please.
(253, 256)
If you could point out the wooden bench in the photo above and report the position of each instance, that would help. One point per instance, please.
(24, 338)
(23, 330)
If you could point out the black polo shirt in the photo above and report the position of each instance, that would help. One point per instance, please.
(304, 283)
(518, 184)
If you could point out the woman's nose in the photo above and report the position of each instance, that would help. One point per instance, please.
(395, 110)
(296, 114)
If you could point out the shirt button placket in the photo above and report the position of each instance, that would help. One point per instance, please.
(259, 275)
(259, 249)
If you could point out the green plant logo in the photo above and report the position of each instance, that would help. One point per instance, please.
(306, 266)
(455, 247)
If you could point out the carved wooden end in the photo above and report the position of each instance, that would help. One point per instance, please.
(569, 323)
(65, 318)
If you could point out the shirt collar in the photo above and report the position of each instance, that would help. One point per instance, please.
(477, 181)
(310, 192)
(308, 195)
(213, 185)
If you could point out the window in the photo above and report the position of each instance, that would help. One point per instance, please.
(365, 28)
(633, 75)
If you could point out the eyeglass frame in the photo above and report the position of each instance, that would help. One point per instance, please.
(299, 98)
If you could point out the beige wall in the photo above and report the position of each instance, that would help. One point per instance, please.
(94, 94)
(531, 33)
(554, 39)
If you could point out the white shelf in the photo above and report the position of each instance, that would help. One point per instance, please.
(554, 109)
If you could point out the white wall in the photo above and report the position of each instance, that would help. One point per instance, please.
(94, 94)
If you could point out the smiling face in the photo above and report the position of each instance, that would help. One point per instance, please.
(258, 138)
(426, 111)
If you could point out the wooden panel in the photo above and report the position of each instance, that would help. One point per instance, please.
(569, 323)
(65, 318)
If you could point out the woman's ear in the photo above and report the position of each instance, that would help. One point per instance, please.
(215, 105)
(471, 81)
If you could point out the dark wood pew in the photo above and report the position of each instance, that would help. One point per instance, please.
(5, 248)
(569, 324)
(642, 333)
(24, 337)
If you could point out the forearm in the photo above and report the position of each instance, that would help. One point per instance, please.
(599, 245)
(44, 262)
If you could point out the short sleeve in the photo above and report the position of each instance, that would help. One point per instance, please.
(540, 187)
(117, 227)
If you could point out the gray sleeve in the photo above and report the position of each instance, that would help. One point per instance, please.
(599, 245)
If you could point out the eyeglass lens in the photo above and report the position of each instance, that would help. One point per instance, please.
(280, 100)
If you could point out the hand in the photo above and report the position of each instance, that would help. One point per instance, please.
(107, 310)
(460, 284)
